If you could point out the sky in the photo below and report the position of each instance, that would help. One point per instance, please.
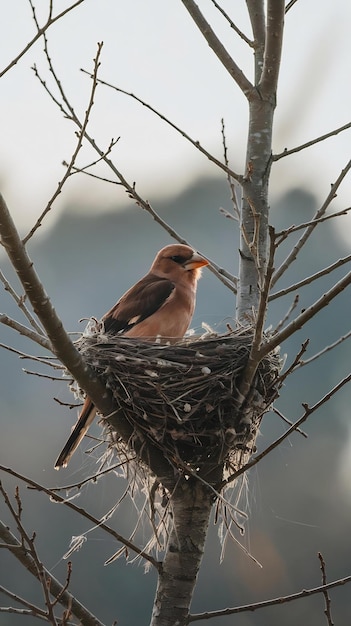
(154, 50)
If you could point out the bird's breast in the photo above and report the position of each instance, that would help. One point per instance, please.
(171, 320)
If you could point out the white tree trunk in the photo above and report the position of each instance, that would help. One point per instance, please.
(191, 508)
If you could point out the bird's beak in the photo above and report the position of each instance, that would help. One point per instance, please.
(195, 261)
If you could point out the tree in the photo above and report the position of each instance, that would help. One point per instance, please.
(183, 483)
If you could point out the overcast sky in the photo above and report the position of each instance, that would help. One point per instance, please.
(153, 49)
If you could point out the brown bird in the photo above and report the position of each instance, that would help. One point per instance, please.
(159, 305)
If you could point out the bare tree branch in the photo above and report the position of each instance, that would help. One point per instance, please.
(235, 72)
(179, 130)
(50, 21)
(309, 230)
(294, 364)
(97, 522)
(233, 184)
(288, 313)
(20, 301)
(327, 610)
(227, 279)
(60, 343)
(29, 545)
(310, 279)
(93, 478)
(306, 315)
(290, 5)
(33, 609)
(66, 599)
(287, 421)
(274, 602)
(283, 234)
(25, 331)
(333, 345)
(233, 25)
(312, 142)
(83, 169)
(307, 412)
(81, 136)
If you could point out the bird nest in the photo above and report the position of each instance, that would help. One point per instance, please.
(184, 398)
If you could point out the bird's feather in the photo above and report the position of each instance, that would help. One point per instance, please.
(137, 304)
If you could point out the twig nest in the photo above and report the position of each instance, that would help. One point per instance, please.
(184, 397)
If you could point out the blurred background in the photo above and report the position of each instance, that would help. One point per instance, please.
(95, 243)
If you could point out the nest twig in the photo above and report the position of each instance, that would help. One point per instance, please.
(184, 397)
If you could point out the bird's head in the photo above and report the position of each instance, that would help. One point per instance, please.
(178, 263)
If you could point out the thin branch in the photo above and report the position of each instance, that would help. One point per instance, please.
(312, 142)
(265, 603)
(28, 544)
(81, 137)
(307, 412)
(50, 21)
(83, 170)
(306, 315)
(42, 360)
(27, 612)
(46, 376)
(66, 585)
(20, 301)
(225, 277)
(66, 599)
(287, 421)
(222, 54)
(233, 25)
(31, 609)
(25, 331)
(310, 279)
(290, 5)
(283, 234)
(179, 130)
(288, 313)
(34, 610)
(93, 478)
(57, 498)
(294, 364)
(309, 230)
(231, 181)
(130, 188)
(326, 349)
(327, 610)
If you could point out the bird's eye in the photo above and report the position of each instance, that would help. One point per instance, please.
(178, 259)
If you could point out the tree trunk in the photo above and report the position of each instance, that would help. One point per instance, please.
(191, 508)
(268, 29)
(254, 215)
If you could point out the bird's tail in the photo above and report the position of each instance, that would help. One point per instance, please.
(85, 418)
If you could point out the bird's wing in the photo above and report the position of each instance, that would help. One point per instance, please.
(142, 300)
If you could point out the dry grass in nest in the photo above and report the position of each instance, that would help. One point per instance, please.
(184, 397)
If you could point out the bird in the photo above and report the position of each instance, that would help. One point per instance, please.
(159, 306)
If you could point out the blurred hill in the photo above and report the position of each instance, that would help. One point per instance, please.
(296, 501)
